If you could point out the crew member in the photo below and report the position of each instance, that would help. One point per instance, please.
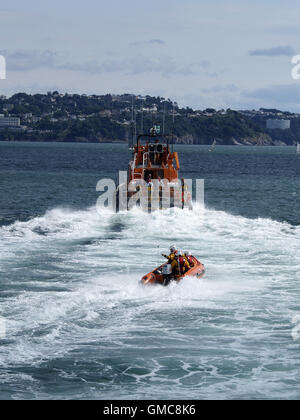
(160, 182)
(172, 258)
(149, 181)
(188, 256)
(183, 264)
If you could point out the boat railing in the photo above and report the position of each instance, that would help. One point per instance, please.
(145, 159)
(133, 163)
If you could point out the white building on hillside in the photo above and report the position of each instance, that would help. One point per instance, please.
(9, 122)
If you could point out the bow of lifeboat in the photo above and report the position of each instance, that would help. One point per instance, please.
(156, 276)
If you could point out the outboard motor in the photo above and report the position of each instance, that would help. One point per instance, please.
(167, 274)
(167, 269)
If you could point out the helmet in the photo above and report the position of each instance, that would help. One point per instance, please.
(187, 253)
(172, 248)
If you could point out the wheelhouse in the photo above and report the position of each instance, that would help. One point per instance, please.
(152, 157)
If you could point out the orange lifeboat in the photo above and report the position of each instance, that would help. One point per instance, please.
(153, 170)
(160, 275)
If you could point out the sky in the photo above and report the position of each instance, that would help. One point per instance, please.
(201, 53)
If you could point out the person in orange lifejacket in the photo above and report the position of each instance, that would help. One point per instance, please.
(188, 256)
(172, 258)
(183, 264)
(149, 181)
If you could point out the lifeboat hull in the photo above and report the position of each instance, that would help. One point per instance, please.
(156, 276)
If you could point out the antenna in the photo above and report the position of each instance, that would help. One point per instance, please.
(173, 128)
(164, 118)
(142, 121)
(132, 127)
(135, 123)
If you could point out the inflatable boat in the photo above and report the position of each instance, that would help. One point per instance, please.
(163, 274)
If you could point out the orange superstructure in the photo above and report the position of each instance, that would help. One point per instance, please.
(153, 158)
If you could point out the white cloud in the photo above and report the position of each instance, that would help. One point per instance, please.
(26, 60)
(148, 42)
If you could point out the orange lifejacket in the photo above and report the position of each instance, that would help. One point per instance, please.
(181, 260)
(183, 263)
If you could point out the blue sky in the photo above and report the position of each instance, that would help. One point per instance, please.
(233, 53)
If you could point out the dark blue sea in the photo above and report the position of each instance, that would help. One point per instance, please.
(76, 324)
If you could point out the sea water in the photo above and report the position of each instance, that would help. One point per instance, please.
(76, 323)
